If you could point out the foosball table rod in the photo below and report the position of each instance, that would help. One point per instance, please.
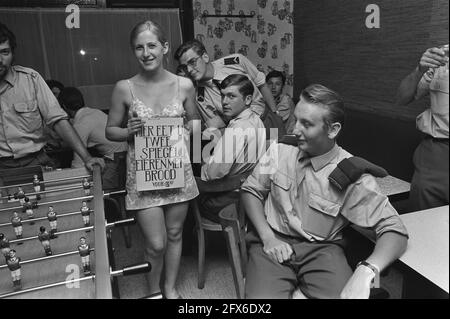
(56, 284)
(45, 218)
(29, 261)
(83, 198)
(69, 199)
(121, 223)
(70, 188)
(47, 181)
(58, 233)
(127, 271)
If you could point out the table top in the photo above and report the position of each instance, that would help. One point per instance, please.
(391, 185)
(428, 248)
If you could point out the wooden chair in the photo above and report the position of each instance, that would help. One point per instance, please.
(230, 225)
(234, 228)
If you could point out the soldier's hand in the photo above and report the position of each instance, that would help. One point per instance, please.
(432, 58)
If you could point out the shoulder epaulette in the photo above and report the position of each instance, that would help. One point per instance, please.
(22, 69)
(231, 60)
(349, 170)
(290, 139)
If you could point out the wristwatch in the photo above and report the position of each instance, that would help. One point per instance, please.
(376, 280)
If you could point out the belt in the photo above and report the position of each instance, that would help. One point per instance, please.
(437, 139)
(6, 158)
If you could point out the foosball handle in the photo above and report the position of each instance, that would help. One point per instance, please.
(125, 222)
(136, 269)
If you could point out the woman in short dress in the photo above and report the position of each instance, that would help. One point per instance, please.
(155, 92)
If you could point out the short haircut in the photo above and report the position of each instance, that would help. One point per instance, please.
(195, 45)
(7, 35)
(53, 83)
(321, 95)
(71, 98)
(276, 74)
(243, 82)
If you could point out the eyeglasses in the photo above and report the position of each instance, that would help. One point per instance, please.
(192, 63)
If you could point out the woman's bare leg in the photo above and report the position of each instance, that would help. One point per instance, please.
(175, 215)
(152, 224)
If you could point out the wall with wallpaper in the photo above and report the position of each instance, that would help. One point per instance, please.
(266, 39)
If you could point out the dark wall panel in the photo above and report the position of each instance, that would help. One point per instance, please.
(334, 47)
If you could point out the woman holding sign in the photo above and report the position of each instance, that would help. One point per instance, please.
(156, 105)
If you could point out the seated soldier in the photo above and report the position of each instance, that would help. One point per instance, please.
(208, 75)
(298, 216)
(240, 147)
(285, 106)
(90, 125)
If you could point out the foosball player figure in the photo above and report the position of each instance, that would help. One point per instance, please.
(85, 214)
(37, 186)
(16, 222)
(21, 195)
(86, 187)
(52, 218)
(13, 263)
(4, 245)
(44, 238)
(84, 250)
(28, 208)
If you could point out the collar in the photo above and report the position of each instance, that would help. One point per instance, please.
(245, 114)
(320, 161)
(10, 76)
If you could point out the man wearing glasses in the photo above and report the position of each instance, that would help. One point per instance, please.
(208, 74)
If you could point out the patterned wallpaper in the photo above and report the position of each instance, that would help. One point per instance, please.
(266, 39)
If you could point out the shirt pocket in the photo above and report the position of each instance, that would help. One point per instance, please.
(28, 116)
(321, 215)
(281, 188)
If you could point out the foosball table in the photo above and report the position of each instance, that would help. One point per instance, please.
(54, 238)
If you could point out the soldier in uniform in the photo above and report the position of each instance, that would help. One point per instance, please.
(28, 209)
(52, 218)
(28, 106)
(4, 245)
(16, 222)
(85, 214)
(209, 74)
(13, 263)
(84, 250)
(44, 238)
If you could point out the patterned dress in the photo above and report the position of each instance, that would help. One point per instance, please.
(146, 199)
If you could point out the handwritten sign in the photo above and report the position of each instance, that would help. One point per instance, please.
(159, 153)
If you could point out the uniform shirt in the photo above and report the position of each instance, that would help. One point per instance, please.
(90, 125)
(16, 221)
(83, 250)
(52, 216)
(239, 149)
(434, 120)
(209, 99)
(13, 263)
(300, 202)
(285, 110)
(4, 243)
(26, 105)
(27, 206)
(44, 236)
(85, 211)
